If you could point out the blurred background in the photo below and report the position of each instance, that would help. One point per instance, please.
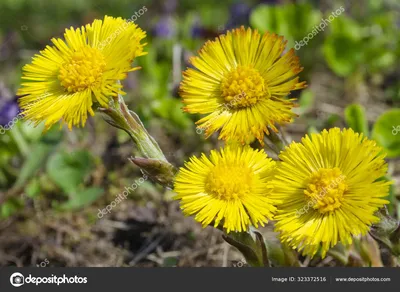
(55, 187)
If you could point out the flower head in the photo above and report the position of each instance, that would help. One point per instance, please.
(65, 80)
(240, 80)
(231, 186)
(330, 189)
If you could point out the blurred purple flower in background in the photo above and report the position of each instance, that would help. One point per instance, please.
(197, 29)
(166, 27)
(8, 106)
(239, 15)
(169, 6)
(8, 112)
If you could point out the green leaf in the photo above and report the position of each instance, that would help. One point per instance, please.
(82, 199)
(354, 115)
(33, 188)
(264, 17)
(342, 54)
(387, 231)
(346, 26)
(38, 156)
(340, 253)
(275, 254)
(280, 255)
(393, 93)
(332, 120)
(344, 48)
(292, 21)
(251, 245)
(31, 132)
(398, 210)
(392, 195)
(10, 207)
(382, 60)
(68, 171)
(33, 163)
(306, 100)
(212, 17)
(386, 132)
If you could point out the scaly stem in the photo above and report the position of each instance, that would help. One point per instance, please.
(153, 162)
(121, 117)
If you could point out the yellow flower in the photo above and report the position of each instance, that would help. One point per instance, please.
(329, 188)
(232, 186)
(241, 80)
(65, 81)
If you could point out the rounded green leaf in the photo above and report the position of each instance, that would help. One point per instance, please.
(342, 54)
(68, 170)
(386, 132)
(355, 118)
(82, 198)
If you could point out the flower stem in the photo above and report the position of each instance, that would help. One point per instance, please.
(121, 117)
(153, 162)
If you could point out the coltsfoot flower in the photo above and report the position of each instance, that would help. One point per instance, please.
(241, 80)
(330, 189)
(65, 80)
(231, 187)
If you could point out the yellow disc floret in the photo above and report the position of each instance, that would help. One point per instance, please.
(83, 70)
(229, 182)
(243, 87)
(326, 189)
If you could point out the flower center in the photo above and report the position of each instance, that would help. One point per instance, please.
(325, 189)
(243, 87)
(229, 182)
(83, 70)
